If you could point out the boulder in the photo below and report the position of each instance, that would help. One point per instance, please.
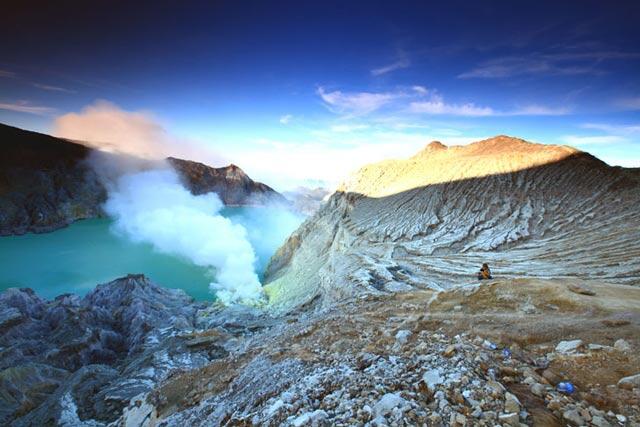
(581, 289)
(573, 417)
(630, 382)
(310, 418)
(387, 403)
(622, 345)
(566, 347)
(432, 378)
(511, 403)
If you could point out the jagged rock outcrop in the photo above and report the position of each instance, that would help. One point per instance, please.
(86, 358)
(431, 220)
(234, 187)
(47, 183)
(59, 344)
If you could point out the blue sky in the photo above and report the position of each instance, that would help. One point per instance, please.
(301, 91)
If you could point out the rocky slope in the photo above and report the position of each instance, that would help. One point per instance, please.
(451, 358)
(75, 359)
(234, 187)
(529, 210)
(46, 183)
(133, 354)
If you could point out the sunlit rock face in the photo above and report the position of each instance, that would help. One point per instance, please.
(431, 220)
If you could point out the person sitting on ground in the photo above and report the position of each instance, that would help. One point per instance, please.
(484, 273)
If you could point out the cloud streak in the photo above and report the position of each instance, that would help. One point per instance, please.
(348, 128)
(592, 140)
(52, 88)
(284, 120)
(28, 108)
(559, 64)
(437, 106)
(614, 129)
(398, 65)
(356, 103)
(421, 101)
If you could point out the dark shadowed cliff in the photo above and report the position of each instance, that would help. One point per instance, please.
(46, 184)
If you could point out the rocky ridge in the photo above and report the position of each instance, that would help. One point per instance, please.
(234, 187)
(85, 358)
(47, 183)
(529, 210)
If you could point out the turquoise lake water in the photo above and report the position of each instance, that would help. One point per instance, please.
(76, 258)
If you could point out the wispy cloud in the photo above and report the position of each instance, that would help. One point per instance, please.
(13, 75)
(420, 100)
(537, 110)
(557, 63)
(348, 128)
(397, 65)
(356, 103)
(515, 66)
(286, 119)
(592, 140)
(402, 61)
(436, 105)
(52, 88)
(614, 129)
(420, 90)
(27, 107)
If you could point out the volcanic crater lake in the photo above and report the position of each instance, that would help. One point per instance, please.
(77, 258)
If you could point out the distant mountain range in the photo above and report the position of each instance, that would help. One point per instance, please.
(307, 200)
(45, 184)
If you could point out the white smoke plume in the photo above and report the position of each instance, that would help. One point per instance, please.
(149, 204)
(152, 206)
(267, 228)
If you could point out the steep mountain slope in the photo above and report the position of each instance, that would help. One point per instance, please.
(45, 183)
(431, 220)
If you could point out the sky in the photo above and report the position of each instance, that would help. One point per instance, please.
(302, 93)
